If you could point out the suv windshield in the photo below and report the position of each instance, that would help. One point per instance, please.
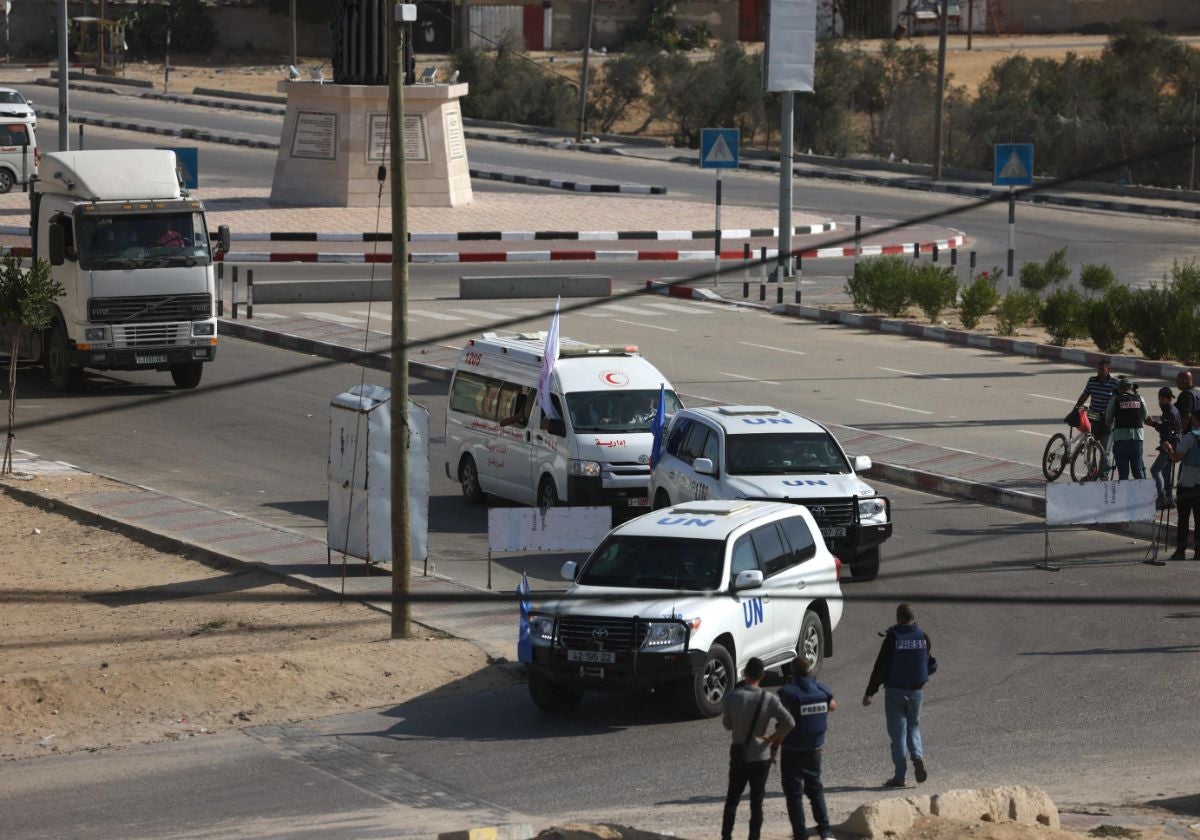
(655, 563)
(616, 411)
(129, 241)
(783, 454)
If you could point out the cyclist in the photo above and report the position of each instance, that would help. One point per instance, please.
(1100, 389)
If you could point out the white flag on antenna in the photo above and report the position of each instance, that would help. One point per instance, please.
(549, 357)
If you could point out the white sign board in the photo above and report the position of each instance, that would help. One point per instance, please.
(315, 135)
(791, 46)
(1100, 501)
(553, 529)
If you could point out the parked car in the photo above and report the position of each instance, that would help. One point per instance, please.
(14, 106)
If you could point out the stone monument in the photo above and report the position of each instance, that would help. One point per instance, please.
(335, 134)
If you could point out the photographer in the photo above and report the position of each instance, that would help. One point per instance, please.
(1168, 439)
(1126, 414)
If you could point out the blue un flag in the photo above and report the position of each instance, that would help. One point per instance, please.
(524, 648)
(658, 425)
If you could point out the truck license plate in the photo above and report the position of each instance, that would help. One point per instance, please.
(600, 656)
(639, 501)
(151, 358)
(833, 532)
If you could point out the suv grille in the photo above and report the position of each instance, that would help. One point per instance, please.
(829, 513)
(149, 308)
(581, 632)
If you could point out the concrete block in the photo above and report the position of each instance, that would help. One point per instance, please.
(882, 818)
(1030, 805)
(968, 805)
(521, 831)
(549, 286)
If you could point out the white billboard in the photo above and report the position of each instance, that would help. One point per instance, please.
(791, 46)
(1100, 501)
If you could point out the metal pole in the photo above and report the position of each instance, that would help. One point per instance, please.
(581, 126)
(970, 22)
(167, 62)
(292, 17)
(717, 253)
(233, 295)
(1012, 236)
(857, 239)
(401, 545)
(250, 294)
(941, 95)
(64, 114)
(1192, 170)
(786, 141)
(81, 137)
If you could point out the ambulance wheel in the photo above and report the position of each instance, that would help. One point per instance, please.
(865, 566)
(705, 692)
(63, 375)
(468, 477)
(811, 644)
(547, 496)
(187, 375)
(551, 698)
(661, 500)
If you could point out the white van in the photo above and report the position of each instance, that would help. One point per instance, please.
(18, 154)
(498, 442)
(682, 598)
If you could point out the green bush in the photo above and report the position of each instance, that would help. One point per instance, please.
(1017, 309)
(1037, 277)
(506, 87)
(1105, 318)
(1150, 313)
(932, 289)
(621, 87)
(1183, 327)
(978, 299)
(881, 284)
(1063, 314)
(1096, 278)
(191, 24)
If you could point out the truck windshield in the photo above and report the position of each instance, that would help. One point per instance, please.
(655, 563)
(129, 241)
(783, 454)
(616, 411)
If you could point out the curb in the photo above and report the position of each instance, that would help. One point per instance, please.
(234, 94)
(572, 186)
(236, 105)
(188, 133)
(563, 143)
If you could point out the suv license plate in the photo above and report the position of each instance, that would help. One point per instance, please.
(599, 656)
(639, 501)
(151, 358)
(833, 532)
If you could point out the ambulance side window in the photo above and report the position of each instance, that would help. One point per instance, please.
(515, 405)
(772, 554)
(467, 392)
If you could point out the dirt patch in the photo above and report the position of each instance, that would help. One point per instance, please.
(105, 642)
(936, 828)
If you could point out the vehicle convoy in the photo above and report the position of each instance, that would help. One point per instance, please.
(681, 598)
(760, 452)
(596, 452)
(18, 154)
(131, 250)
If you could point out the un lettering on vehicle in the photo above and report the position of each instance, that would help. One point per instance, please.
(752, 612)
(806, 482)
(767, 421)
(684, 520)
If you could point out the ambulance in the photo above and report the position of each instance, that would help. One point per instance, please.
(595, 452)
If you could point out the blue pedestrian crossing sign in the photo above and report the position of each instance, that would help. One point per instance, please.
(1013, 165)
(719, 148)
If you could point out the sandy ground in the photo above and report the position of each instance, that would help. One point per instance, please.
(106, 642)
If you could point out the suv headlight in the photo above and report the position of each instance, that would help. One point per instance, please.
(663, 634)
(874, 511)
(588, 469)
(541, 629)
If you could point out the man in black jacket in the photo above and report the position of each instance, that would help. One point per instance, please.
(903, 665)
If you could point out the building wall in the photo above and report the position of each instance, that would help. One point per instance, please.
(1067, 15)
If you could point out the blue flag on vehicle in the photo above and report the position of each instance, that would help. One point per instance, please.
(658, 425)
(524, 647)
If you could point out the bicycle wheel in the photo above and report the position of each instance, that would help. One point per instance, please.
(1085, 466)
(1054, 459)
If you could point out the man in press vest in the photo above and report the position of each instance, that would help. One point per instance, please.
(1126, 415)
(809, 703)
(904, 665)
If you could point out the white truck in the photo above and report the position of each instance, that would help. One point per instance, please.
(131, 250)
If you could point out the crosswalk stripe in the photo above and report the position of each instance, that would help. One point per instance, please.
(628, 310)
(437, 316)
(678, 307)
(647, 326)
(476, 313)
(329, 316)
(380, 316)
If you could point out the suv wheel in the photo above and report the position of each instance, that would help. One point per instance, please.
(866, 565)
(551, 698)
(811, 644)
(661, 499)
(705, 692)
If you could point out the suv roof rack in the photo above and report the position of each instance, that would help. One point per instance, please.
(741, 410)
(719, 507)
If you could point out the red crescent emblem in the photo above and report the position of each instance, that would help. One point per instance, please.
(614, 378)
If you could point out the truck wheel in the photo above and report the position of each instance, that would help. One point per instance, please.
(547, 496)
(704, 693)
(63, 375)
(187, 375)
(6, 181)
(811, 644)
(866, 565)
(468, 477)
(661, 500)
(551, 698)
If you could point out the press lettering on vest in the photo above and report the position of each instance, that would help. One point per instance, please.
(911, 644)
(814, 709)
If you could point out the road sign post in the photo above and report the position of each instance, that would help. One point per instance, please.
(719, 149)
(1012, 167)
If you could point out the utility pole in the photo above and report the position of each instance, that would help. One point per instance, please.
(941, 91)
(583, 80)
(292, 17)
(167, 63)
(970, 22)
(64, 115)
(401, 527)
(787, 121)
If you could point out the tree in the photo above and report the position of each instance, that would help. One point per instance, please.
(26, 302)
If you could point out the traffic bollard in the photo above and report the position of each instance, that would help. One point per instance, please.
(799, 274)
(745, 288)
(250, 294)
(762, 291)
(935, 252)
(779, 294)
(233, 297)
(746, 253)
(916, 250)
(220, 290)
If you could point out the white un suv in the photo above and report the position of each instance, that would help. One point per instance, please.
(759, 452)
(682, 597)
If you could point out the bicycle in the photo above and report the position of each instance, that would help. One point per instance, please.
(1081, 450)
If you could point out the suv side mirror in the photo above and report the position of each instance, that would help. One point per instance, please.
(556, 427)
(862, 463)
(704, 466)
(223, 239)
(569, 569)
(748, 579)
(56, 244)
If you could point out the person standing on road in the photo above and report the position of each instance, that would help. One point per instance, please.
(748, 711)
(809, 703)
(1162, 469)
(1100, 390)
(904, 665)
(1187, 494)
(1125, 416)
(1186, 401)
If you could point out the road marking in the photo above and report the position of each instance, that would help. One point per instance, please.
(591, 314)
(628, 310)
(437, 316)
(329, 316)
(893, 405)
(476, 313)
(1035, 434)
(371, 315)
(769, 347)
(749, 378)
(1056, 399)
(270, 315)
(678, 308)
(647, 326)
(914, 373)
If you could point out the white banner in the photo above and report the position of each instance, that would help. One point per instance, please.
(791, 46)
(554, 529)
(549, 358)
(1100, 501)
